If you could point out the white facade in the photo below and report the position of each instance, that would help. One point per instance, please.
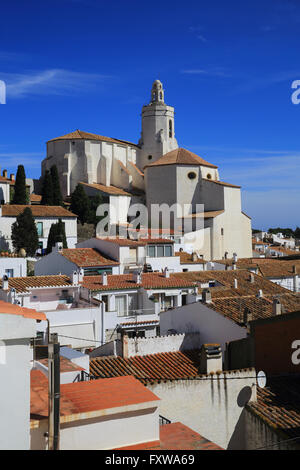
(197, 317)
(15, 355)
(43, 226)
(13, 267)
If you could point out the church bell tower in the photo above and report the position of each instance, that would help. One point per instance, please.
(158, 135)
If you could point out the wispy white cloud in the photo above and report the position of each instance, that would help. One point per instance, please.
(51, 82)
(210, 72)
(28, 159)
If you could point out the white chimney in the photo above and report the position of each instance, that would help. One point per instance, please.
(166, 273)
(210, 358)
(5, 282)
(206, 296)
(194, 257)
(234, 265)
(251, 277)
(80, 275)
(104, 278)
(276, 307)
(260, 294)
(58, 247)
(75, 278)
(235, 257)
(235, 283)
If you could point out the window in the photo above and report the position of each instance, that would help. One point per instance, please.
(208, 176)
(160, 251)
(39, 227)
(132, 304)
(192, 175)
(121, 306)
(151, 251)
(168, 250)
(170, 128)
(222, 231)
(149, 157)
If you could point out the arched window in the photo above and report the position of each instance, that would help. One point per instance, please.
(208, 176)
(160, 96)
(170, 128)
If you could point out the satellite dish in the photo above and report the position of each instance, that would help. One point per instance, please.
(261, 379)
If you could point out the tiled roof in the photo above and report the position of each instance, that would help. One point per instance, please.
(126, 281)
(149, 368)
(87, 257)
(180, 156)
(23, 284)
(226, 278)
(35, 198)
(13, 210)
(65, 365)
(187, 258)
(123, 241)
(222, 183)
(79, 398)
(79, 135)
(176, 436)
(205, 215)
(12, 309)
(283, 250)
(111, 190)
(151, 241)
(6, 254)
(123, 167)
(278, 405)
(136, 168)
(139, 323)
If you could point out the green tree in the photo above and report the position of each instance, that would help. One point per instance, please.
(20, 193)
(80, 204)
(96, 201)
(57, 233)
(57, 196)
(24, 233)
(297, 232)
(47, 190)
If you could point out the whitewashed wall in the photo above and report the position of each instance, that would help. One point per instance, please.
(160, 344)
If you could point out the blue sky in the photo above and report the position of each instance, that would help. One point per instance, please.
(227, 67)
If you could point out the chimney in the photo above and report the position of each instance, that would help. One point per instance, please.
(75, 278)
(276, 307)
(80, 275)
(247, 316)
(235, 257)
(226, 254)
(194, 257)
(137, 277)
(206, 296)
(166, 273)
(58, 247)
(4, 173)
(235, 283)
(260, 294)
(210, 358)
(5, 282)
(234, 265)
(294, 269)
(125, 346)
(251, 277)
(12, 177)
(104, 278)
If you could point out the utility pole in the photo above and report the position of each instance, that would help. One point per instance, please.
(54, 392)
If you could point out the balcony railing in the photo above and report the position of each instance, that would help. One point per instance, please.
(163, 420)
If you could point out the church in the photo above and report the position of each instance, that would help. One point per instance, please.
(155, 171)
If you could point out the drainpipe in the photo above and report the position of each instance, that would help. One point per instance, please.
(54, 391)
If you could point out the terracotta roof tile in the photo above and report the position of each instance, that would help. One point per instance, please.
(23, 284)
(180, 156)
(187, 258)
(149, 368)
(222, 183)
(12, 309)
(79, 135)
(83, 397)
(87, 257)
(278, 405)
(13, 210)
(176, 436)
(111, 190)
(126, 281)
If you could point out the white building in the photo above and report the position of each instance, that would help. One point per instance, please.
(44, 217)
(12, 265)
(67, 260)
(122, 172)
(17, 328)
